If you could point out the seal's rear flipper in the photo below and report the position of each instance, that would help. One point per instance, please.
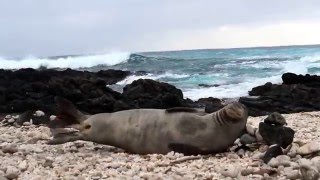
(67, 114)
(188, 150)
(180, 109)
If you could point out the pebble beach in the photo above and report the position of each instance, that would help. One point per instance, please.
(24, 154)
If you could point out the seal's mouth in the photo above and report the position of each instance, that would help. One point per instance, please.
(63, 135)
(58, 132)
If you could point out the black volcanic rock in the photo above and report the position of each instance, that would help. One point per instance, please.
(272, 152)
(297, 93)
(147, 93)
(276, 134)
(275, 118)
(291, 78)
(211, 104)
(30, 89)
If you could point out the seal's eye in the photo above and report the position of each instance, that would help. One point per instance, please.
(88, 126)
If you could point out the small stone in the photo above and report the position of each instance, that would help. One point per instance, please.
(247, 139)
(8, 117)
(12, 173)
(247, 171)
(316, 162)
(26, 123)
(114, 165)
(23, 165)
(309, 173)
(231, 172)
(276, 119)
(241, 152)
(294, 165)
(250, 129)
(293, 151)
(52, 117)
(232, 156)
(48, 163)
(10, 149)
(258, 155)
(96, 175)
(263, 148)
(290, 173)
(309, 148)
(11, 120)
(283, 160)
(39, 113)
(273, 162)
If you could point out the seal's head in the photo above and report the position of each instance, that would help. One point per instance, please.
(235, 112)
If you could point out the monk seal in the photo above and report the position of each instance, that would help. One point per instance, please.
(149, 131)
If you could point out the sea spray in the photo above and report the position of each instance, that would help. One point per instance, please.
(66, 61)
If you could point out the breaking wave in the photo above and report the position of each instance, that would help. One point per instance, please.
(75, 62)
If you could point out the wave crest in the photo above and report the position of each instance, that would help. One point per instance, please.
(75, 62)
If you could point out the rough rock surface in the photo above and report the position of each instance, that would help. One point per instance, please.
(30, 89)
(24, 154)
(297, 93)
(27, 90)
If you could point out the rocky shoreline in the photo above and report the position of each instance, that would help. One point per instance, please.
(297, 93)
(24, 154)
(30, 90)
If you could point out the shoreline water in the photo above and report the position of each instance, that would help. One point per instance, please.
(30, 89)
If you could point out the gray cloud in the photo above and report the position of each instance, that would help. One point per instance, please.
(42, 28)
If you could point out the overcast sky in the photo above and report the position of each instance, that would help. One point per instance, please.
(59, 27)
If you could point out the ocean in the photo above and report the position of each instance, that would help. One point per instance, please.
(221, 73)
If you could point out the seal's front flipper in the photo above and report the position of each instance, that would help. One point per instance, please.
(188, 150)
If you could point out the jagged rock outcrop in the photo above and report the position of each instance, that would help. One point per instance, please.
(297, 93)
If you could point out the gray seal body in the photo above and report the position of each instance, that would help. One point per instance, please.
(147, 131)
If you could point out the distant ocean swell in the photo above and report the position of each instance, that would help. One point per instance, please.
(227, 73)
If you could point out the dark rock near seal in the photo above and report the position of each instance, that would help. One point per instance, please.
(247, 139)
(272, 152)
(147, 93)
(275, 118)
(273, 134)
(297, 93)
(211, 104)
(30, 89)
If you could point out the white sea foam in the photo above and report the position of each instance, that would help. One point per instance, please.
(297, 67)
(132, 78)
(66, 62)
(230, 90)
(313, 58)
(260, 57)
